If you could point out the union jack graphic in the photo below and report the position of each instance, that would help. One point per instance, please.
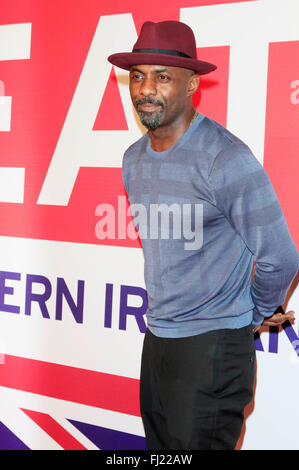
(52, 403)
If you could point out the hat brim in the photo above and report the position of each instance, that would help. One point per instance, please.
(125, 60)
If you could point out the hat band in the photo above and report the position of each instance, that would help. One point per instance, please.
(164, 51)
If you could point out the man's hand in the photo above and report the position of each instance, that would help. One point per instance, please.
(277, 319)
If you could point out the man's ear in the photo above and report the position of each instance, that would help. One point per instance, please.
(193, 84)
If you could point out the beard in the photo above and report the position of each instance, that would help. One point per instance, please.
(150, 120)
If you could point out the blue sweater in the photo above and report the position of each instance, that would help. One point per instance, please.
(235, 219)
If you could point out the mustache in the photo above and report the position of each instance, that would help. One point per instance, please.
(148, 101)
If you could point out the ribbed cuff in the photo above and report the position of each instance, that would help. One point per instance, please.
(259, 317)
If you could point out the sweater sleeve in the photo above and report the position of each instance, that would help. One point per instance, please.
(243, 192)
(125, 170)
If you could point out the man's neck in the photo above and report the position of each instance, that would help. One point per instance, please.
(165, 137)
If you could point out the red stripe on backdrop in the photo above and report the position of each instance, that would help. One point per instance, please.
(282, 129)
(54, 430)
(211, 97)
(107, 120)
(107, 391)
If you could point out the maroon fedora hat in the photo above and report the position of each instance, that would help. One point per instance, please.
(169, 43)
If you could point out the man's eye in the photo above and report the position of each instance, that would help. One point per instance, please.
(163, 77)
(136, 76)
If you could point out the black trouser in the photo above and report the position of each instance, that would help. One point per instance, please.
(193, 390)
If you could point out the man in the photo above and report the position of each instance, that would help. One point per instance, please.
(198, 359)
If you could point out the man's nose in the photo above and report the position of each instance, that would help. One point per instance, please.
(148, 86)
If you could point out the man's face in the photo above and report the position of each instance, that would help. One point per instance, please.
(159, 93)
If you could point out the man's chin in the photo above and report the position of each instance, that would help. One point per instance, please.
(150, 120)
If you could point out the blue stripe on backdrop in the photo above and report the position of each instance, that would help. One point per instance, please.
(109, 439)
(9, 441)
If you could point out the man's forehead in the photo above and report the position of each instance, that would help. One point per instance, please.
(159, 68)
(151, 67)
